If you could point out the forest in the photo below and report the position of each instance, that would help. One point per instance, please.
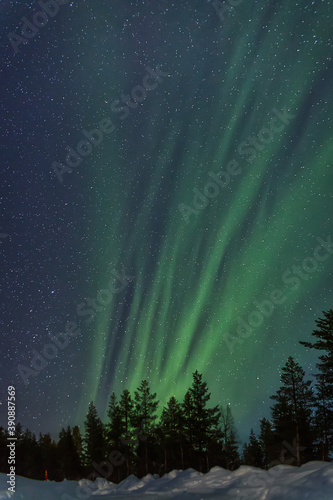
(139, 439)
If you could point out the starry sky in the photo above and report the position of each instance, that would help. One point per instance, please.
(166, 200)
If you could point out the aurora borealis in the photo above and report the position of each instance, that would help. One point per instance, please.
(167, 265)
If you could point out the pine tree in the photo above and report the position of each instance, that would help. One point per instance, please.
(201, 422)
(171, 430)
(94, 439)
(144, 417)
(293, 408)
(324, 386)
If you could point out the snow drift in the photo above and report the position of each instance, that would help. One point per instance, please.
(313, 480)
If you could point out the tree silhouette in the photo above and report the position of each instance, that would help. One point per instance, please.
(293, 408)
(252, 451)
(324, 386)
(144, 417)
(171, 426)
(230, 454)
(201, 423)
(94, 438)
(69, 454)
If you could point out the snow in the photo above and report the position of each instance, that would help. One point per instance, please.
(313, 480)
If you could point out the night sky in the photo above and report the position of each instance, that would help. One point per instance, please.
(155, 242)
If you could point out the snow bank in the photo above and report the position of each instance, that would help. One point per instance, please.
(313, 480)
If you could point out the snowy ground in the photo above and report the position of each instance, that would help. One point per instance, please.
(313, 481)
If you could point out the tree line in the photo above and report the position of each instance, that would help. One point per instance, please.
(189, 433)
